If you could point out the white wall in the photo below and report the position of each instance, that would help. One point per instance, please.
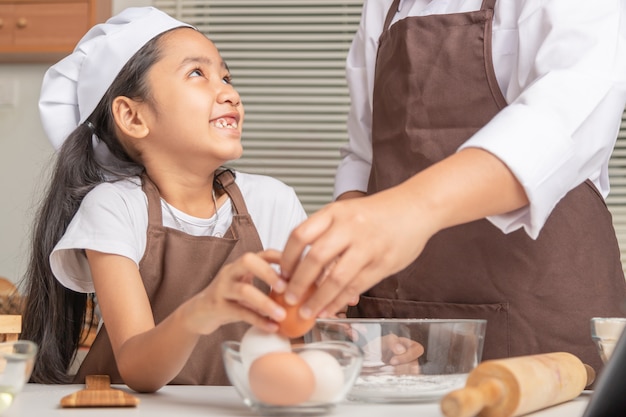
(119, 5)
(25, 157)
(25, 153)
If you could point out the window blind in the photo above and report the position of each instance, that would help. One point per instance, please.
(616, 200)
(287, 58)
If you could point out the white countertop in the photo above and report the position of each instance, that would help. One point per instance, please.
(44, 400)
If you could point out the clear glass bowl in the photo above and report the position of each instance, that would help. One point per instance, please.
(16, 364)
(347, 354)
(438, 356)
(605, 331)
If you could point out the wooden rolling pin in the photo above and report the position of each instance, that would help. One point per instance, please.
(520, 385)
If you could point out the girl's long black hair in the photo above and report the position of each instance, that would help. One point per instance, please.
(53, 315)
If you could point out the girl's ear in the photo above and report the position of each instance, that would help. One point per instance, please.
(129, 118)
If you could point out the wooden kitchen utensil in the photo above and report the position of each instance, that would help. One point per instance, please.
(98, 393)
(516, 386)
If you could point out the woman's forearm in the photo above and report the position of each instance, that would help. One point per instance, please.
(469, 185)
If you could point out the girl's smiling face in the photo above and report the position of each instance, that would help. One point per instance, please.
(193, 113)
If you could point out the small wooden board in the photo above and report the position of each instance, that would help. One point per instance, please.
(98, 393)
(10, 327)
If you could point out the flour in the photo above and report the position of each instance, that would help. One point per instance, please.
(404, 388)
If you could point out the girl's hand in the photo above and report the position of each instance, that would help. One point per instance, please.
(232, 297)
(138, 343)
(398, 350)
(394, 354)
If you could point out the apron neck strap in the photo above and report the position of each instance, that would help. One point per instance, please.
(154, 199)
(390, 14)
(488, 5)
(225, 179)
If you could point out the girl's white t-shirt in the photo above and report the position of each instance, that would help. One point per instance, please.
(113, 218)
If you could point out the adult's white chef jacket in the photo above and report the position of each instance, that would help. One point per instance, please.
(561, 65)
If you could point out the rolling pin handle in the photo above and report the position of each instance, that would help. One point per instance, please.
(469, 401)
(591, 375)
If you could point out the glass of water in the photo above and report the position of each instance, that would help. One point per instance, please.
(605, 331)
(17, 359)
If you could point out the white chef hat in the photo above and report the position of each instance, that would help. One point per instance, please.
(73, 87)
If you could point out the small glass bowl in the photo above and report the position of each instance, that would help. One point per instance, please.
(605, 331)
(439, 355)
(17, 359)
(347, 354)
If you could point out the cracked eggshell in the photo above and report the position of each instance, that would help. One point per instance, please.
(293, 325)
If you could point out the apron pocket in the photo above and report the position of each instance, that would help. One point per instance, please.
(497, 338)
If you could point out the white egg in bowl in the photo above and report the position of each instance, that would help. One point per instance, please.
(309, 379)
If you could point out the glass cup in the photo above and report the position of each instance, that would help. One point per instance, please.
(605, 331)
(17, 359)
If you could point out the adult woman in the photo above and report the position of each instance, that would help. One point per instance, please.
(466, 110)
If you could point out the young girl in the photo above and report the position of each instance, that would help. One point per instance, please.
(139, 211)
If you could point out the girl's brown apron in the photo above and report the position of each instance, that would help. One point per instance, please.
(174, 268)
(435, 86)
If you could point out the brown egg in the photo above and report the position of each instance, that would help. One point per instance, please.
(281, 378)
(293, 325)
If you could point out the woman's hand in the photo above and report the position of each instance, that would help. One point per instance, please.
(232, 297)
(352, 244)
(355, 243)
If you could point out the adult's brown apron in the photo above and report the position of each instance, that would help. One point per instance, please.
(435, 86)
(174, 268)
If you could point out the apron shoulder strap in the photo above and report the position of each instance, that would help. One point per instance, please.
(488, 5)
(155, 215)
(225, 179)
(390, 14)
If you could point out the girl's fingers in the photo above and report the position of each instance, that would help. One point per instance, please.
(406, 351)
(255, 300)
(411, 368)
(270, 255)
(259, 265)
(232, 292)
(255, 320)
